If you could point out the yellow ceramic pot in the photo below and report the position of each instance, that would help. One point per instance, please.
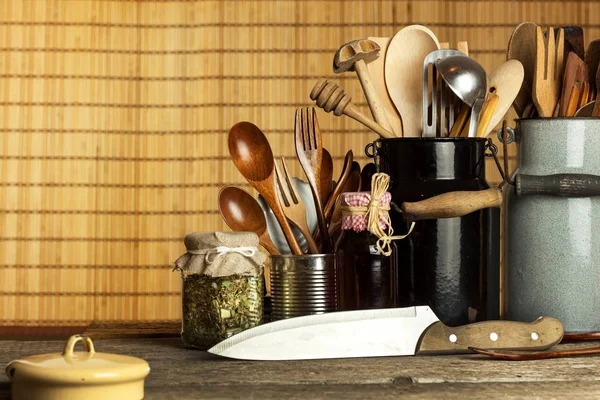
(78, 375)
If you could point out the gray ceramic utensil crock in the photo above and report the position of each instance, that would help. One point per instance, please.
(552, 224)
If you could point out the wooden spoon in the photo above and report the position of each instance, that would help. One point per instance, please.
(242, 213)
(506, 81)
(377, 71)
(404, 74)
(522, 47)
(253, 157)
(326, 176)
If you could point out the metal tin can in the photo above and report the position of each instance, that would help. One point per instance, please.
(302, 285)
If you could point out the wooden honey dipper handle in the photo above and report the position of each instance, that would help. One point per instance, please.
(331, 97)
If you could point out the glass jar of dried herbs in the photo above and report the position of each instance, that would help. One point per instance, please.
(222, 286)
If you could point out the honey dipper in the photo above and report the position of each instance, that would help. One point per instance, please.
(331, 97)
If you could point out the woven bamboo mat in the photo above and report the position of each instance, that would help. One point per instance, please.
(115, 115)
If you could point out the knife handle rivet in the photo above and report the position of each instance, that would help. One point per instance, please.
(535, 336)
(453, 338)
(493, 336)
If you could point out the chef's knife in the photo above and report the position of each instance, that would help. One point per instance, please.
(383, 332)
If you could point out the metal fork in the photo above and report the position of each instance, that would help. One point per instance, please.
(309, 150)
(547, 77)
(292, 205)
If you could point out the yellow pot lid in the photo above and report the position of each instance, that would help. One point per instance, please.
(86, 367)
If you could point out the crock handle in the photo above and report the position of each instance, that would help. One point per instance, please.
(87, 342)
(562, 185)
(452, 204)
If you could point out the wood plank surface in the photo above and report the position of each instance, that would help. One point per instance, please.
(114, 120)
(179, 373)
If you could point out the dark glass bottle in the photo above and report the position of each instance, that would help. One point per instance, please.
(366, 279)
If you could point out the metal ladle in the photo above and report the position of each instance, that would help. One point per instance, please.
(467, 79)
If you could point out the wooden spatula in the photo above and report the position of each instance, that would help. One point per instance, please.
(596, 110)
(522, 47)
(487, 111)
(547, 80)
(404, 73)
(377, 71)
(573, 102)
(506, 81)
(573, 40)
(574, 70)
(592, 59)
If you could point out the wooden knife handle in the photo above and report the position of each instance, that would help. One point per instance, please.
(452, 204)
(541, 334)
(562, 185)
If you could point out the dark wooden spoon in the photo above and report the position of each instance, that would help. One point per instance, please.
(253, 157)
(242, 213)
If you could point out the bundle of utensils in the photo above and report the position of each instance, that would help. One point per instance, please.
(283, 215)
(561, 77)
(416, 86)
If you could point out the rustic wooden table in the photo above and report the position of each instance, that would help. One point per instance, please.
(178, 373)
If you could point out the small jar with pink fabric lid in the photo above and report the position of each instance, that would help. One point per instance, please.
(366, 263)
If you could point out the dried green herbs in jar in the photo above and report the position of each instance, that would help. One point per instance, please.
(222, 286)
(217, 308)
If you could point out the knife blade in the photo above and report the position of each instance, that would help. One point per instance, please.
(382, 333)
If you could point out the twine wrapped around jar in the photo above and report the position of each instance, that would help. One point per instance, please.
(364, 210)
(218, 254)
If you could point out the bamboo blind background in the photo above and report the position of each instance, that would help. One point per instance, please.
(114, 118)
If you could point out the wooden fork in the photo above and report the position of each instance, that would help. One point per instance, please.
(309, 150)
(547, 78)
(292, 205)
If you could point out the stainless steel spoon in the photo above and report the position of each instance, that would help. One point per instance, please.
(467, 79)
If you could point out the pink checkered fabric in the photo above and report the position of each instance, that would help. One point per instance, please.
(359, 223)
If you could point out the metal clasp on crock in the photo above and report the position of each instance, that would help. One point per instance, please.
(373, 150)
(506, 136)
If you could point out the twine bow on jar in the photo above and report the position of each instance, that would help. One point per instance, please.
(222, 250)
(376, 214)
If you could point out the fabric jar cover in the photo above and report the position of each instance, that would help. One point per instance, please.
(220, 254)
(359, 223)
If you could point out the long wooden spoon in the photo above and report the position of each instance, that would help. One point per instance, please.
(522, 47)
(253, 157)
(242, 213)
(404, 74)
(377, 71)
